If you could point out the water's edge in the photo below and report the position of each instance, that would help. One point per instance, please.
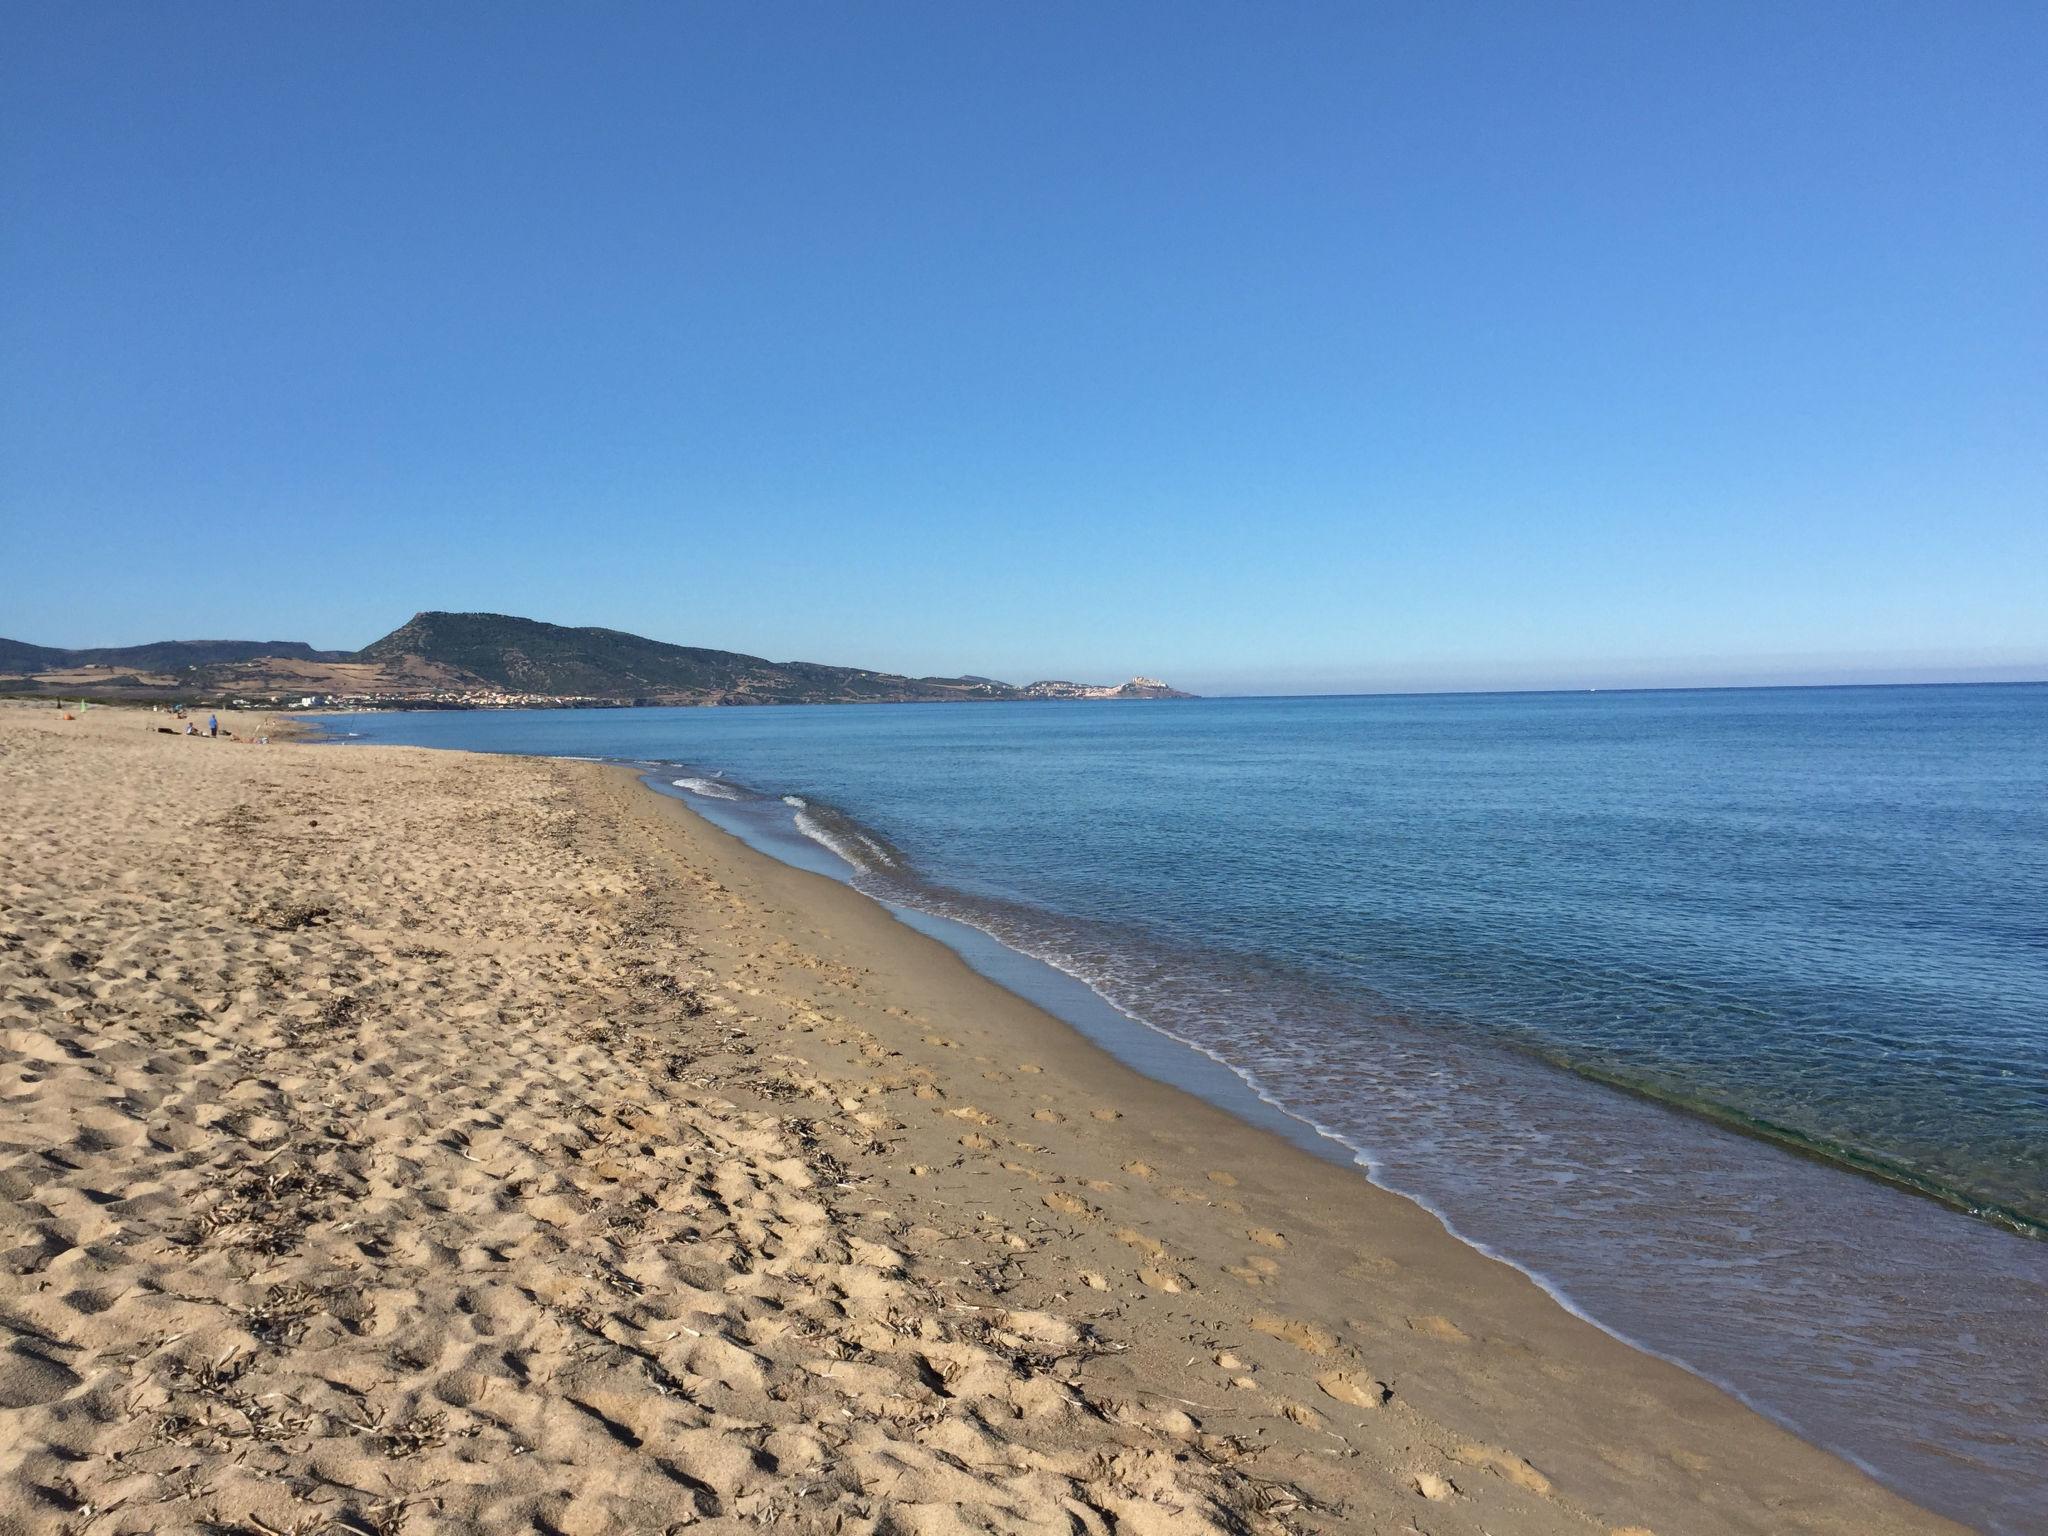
(1194, 1069)
(1810, 1390)
(703, 795)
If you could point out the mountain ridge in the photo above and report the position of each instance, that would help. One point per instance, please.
(455, 660)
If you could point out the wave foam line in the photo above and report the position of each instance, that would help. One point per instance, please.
(710, 789)
(864, 853)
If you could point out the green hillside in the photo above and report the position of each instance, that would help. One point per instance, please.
(527, 656)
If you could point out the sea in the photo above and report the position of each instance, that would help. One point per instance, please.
(1723, 1014)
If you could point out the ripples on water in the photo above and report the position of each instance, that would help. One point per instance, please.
(1818, 912)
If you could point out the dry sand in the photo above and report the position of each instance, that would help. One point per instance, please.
(405, 1141)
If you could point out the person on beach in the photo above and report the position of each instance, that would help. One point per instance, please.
(213, 725)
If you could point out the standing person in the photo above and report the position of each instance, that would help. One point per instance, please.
(213, 725)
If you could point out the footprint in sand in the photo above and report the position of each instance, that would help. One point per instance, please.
(1139, 1170)
(972, 1115)
(1306, 1337)
(1107, 1114)
(1266, 1237)
(1071, 1205)
(1358, 1391)
(1369, 1269)
(1172, 1282)
(1440, 1328)
(1507, 1464)
(1048, 1116)
(1227, 1180)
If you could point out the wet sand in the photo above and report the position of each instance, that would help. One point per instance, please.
(409, 1141)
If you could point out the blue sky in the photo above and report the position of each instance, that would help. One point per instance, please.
(1263, 348)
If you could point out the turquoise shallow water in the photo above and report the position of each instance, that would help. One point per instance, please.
(1820, 914)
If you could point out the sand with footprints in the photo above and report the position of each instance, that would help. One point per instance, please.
(395, 1141)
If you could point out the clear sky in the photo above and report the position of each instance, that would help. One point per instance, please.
(1260, 347)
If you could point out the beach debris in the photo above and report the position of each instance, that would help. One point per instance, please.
(420, 1432)
(287, 916)
(280, 1318)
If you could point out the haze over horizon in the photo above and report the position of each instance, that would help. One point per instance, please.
(1315, 350)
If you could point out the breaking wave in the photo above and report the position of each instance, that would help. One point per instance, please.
(711, 789)
(847, 838)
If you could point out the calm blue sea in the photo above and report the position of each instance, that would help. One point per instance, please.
(1439, 930)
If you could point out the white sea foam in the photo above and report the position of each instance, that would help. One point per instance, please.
(851, 844)
(796, 800)
(711, 789)
(807, 824)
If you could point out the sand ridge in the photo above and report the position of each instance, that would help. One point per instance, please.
(403, 1141)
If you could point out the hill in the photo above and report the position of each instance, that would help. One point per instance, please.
(527, 656)
(156, 656)
(471, 659)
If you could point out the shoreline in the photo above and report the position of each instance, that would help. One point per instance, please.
(1300, 1135)
(1249, 1102)
(1838, 1156)
(1340, 1165)
(1810, 1317)
(1834, 1155)
(627, 1171)
(1246, 1099)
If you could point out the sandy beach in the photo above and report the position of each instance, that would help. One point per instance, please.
(397, 1141)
